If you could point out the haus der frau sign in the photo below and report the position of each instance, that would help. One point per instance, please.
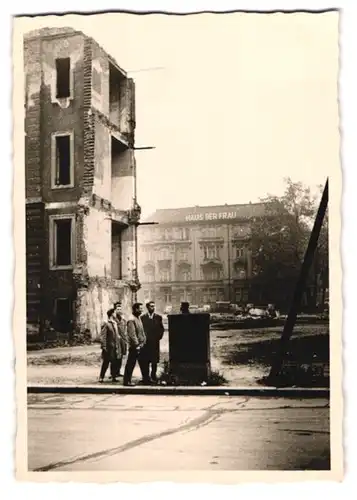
(211, 216)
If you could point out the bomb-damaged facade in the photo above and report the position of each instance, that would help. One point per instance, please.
(81, 208)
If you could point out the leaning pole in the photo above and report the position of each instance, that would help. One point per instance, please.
(299, 288)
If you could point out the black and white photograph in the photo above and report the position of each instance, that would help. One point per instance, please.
(178, 186)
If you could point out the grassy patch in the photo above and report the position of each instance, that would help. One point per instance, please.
(305, 364)
(303, 350)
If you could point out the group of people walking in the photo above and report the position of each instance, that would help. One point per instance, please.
(138, 338)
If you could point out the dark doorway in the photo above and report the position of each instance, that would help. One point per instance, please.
(63, 315)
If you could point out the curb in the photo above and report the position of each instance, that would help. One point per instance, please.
(292, 392)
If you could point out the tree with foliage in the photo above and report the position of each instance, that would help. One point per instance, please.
(278, 242)
(320, 269)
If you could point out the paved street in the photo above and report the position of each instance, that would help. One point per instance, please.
(132, 432)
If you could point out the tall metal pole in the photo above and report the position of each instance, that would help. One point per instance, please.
(137, 148)
(229, 262)
(300, 285)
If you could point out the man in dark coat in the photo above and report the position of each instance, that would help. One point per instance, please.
(136, 341)
(122, 334)
(111, 347)
(154, 331)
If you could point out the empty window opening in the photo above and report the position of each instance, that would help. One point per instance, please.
(118, 156)
(121, 168)
(63, 160)
(62, 242)
(116, 251)
(97, 81)
(116, 89)
(63, 73)
(63, 315)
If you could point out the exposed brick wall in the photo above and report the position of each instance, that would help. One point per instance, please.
(34, 261)
(88, 122)
(62, 116)
(132, 113)
(32, 64)
(101, 63)
(56, 283)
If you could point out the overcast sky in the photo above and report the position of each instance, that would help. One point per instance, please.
(242, 101)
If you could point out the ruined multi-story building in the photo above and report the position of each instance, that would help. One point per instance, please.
(81, 207)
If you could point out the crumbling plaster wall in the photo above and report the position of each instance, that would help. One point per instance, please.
(97, 242)
(102, 185)
(123, 180)
(94, 301)
(100, 291)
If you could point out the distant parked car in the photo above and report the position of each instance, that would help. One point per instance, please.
(258, 312)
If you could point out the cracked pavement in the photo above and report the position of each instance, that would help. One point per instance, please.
(145, 432)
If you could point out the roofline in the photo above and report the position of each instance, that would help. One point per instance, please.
(183, 223)
(110, 57)
(41, 33)
(241, 218)
(261, 203)
(35, 34)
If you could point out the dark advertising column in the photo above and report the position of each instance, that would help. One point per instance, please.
(189, 348)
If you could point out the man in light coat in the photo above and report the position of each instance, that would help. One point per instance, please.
(136, 341)
(121, 323)
(111, 347)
